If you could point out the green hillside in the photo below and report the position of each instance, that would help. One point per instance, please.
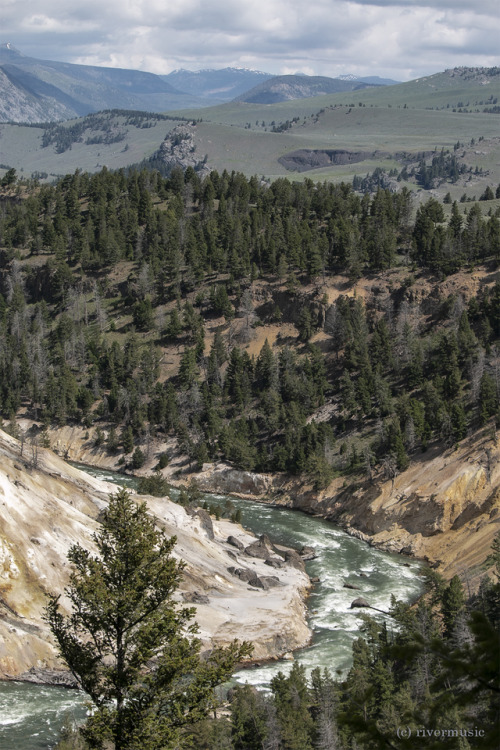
(474, 89)
(387, 128)
(113, 140)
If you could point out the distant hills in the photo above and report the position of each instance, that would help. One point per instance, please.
(284, 88)
(366, 128)
(33, 90)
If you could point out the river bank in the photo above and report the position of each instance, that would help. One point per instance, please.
(344, 568)
(444, 509)
(47, 507)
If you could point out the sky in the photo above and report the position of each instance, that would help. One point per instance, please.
(400, 39)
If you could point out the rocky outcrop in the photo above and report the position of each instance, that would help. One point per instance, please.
(446, 509)
(261, 549)
(205, 520)
(293, 558)
(260, 582)
(179, 150)
(225, 479)
(55, 677)
(47, 505)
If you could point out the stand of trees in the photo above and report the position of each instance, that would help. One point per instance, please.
(193, 251)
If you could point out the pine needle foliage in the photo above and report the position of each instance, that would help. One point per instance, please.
(129, 645)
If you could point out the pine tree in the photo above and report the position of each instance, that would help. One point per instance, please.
(292, 707)
(123, 617)
(453, 601)
(248, 719)
(488, 399)
(128, 440)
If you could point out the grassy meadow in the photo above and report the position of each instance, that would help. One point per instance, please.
(383, 122)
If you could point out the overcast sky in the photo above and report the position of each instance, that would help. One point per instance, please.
(402, 39)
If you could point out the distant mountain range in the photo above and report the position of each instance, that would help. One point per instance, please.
(220, 85)
(33, 90)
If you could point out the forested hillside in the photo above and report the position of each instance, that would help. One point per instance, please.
(140, 307)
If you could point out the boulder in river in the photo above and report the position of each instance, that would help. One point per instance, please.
(351, 586)
(360, 603)
(308, 553)
(293, 558)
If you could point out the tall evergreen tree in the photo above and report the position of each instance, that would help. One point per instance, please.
(123, 616)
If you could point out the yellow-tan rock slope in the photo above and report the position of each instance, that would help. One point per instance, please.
(47, 507)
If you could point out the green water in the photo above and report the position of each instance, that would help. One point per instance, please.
(30, 715)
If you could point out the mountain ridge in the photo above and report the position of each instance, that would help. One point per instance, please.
(45, 87)
(284, 88)
(34, 90)
(223, 84)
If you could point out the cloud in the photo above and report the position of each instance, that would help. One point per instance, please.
(401, 38)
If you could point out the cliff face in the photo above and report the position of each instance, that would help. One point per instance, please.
(46, 506)
(445, 507)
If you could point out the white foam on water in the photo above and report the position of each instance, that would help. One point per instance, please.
(8, 722)
(340, 558)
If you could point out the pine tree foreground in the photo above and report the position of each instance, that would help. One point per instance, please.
(130, 647)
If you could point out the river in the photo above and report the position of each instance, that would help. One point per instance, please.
(31, 716)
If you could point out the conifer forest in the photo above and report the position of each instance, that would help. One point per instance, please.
(129, 302)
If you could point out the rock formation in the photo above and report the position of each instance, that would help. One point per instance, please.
(47, 505)
(179, 150)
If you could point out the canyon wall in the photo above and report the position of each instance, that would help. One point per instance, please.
(47, 505)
